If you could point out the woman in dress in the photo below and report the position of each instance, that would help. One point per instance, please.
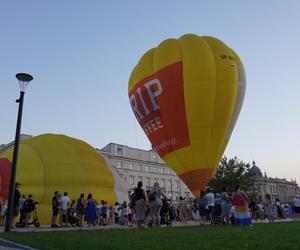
(241, 215)
(225, 206)
(268, 208)
(183, 213)
(90, 210)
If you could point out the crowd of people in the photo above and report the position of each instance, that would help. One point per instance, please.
(237, 208)
(152, 208)
(23, 207)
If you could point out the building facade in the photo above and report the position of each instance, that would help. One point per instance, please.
(279, 188)
(135, 165)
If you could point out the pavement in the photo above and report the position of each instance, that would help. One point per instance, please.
(9, 245)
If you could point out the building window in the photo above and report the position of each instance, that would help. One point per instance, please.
(131, 180)
(119, 164)
(258, 188)
(130, 166)
(167, 171)
(163, 183)
(153, 170)
(119, 150)
(154, 158)
(146, 169)
(138, 167)
(147, 181)
(156, 180)
(160, 170)
(169, 183)
(140, 178)
(176, 184)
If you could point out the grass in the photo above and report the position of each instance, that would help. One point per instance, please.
(260, 236)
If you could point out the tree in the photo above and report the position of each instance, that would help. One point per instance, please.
(233, 172)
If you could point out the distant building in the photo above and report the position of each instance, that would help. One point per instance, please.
(276, 187)
(135, 165)
(4, 147)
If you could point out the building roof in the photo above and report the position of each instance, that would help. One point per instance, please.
(255, 170)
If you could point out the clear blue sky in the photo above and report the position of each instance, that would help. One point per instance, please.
(81, 54)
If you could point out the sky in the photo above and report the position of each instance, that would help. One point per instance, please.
(81, 54)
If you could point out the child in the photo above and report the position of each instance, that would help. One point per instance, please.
(3, 213)
(111, 215)
(125, 212)
(274, 212)
(120, 216)
(103, 213)
(231, 215)
(268, 208)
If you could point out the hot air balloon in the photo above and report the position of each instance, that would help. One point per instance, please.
(52, 162)
(5, 170)
(187, 94)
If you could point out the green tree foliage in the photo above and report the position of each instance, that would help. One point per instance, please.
(233, 172)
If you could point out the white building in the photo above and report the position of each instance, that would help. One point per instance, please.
(135, 165)
(279, 188)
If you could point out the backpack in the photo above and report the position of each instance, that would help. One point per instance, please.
(152, 196)
(25, 205)
(103, 210)
(28, 205)
(132, 197)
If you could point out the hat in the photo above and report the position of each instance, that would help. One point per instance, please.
(18, 183)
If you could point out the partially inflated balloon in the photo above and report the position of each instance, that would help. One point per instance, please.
(187, 94)
(49, 162)
(5, 170)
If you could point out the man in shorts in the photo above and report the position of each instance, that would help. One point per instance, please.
(210, 202)
(16, 206)
(64, 203)
(55, 208)
(296, 203)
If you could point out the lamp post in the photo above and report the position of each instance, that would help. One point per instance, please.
(24, 80)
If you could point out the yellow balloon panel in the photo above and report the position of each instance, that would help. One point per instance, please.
(185, 94)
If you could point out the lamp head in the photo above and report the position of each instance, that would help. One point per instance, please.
(24, 79)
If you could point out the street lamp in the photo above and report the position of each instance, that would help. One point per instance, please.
(24, 80)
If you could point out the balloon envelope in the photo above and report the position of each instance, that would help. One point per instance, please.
(49, 162)
(187, 94)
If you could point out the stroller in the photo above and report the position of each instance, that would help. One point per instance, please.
(166, 213)
(216, 214)
(73, 218)
(35, 220)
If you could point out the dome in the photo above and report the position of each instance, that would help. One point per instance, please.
(255, 170)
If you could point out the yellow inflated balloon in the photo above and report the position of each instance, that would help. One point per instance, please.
(49, 162)
(187, 94)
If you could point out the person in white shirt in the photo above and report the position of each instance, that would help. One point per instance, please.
(64, 203)
(210, 202)
(116, 212)
(296, 203)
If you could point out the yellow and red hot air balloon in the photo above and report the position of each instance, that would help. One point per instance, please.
(187, 94)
